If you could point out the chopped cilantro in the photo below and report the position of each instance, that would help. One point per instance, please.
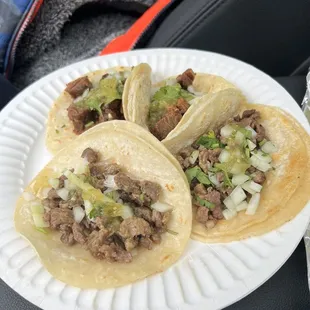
(262, 142)
(41, 230)
(63, 126)
(227, 181)
(247, 152)
(113, 195)
(197, 173)
(88, 125)
(191, 173)
(223, 167)
(172, 232)
(95, 212)
(203, 178)
(209, 141)
(57, 131)
(204, 203)
(247, 133)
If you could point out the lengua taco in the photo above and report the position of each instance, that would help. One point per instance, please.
(108, 210)
(166, 106)
(91, 99)
(247, 174)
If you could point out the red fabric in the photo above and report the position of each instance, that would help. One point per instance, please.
(36, 9)
(126, 41)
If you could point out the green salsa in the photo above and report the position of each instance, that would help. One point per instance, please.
(107, 91)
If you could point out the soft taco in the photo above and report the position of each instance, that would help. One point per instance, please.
(167, 105)
(108, 210)
(91, 99)
(248, 171)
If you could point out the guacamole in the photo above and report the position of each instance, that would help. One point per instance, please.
(166, 96)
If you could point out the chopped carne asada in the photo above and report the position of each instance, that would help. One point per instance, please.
(95, 104)
(77, 87)
(186, 78)
(226, 171)
(109, 220)
(170, 103)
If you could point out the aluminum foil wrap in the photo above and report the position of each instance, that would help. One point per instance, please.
(306, 109)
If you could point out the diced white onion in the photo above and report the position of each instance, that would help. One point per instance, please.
(226, 131)
(229, 203)
(260, 165)
(253, 204)
(251, 145)
(246, 187)
(193, 156)
(28, 196)
(69, 186)
(127, 212)
(255, 186)
(254, 133)
(77, 99)
(262, 157)
(88, 206)
(192, 90)
(53, 182)
(239, 179)
(213, 178)
(239, 138)
(224, 156)
(78, 214)
(242, 206)
(39, 221)
(44, 191)
(161, 207)
(81, 168)
(109, 182)
(229, 214)
(269, 147)
(237, 195)
(63, 193)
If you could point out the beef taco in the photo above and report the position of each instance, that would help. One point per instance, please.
(91, 99)
(166, 106)
(108, 210)
(247, 175)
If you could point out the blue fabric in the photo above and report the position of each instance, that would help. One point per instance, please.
(11, 13)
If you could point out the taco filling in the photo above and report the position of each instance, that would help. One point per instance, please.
(95, 104)
(227, 169)
(170, 102)
(103, 210)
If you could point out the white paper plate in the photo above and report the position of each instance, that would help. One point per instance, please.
(207, 276)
